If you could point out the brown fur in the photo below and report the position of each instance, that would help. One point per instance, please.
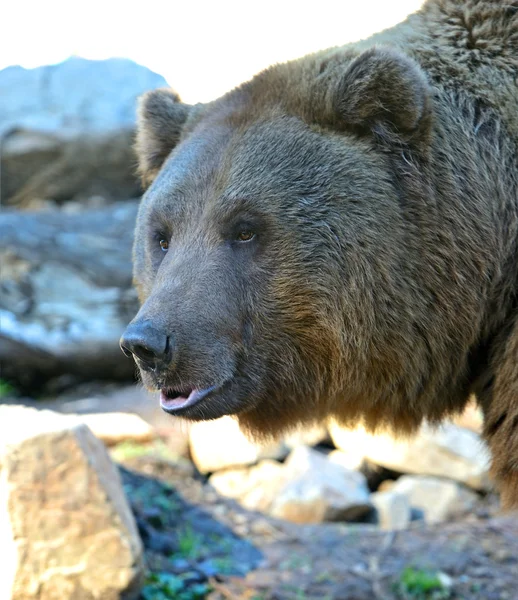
(381, 180)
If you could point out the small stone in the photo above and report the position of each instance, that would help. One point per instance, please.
(393, 510)
(180, 565)
(437, 499)
(445, 579)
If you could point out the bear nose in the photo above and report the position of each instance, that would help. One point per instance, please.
(145, 342)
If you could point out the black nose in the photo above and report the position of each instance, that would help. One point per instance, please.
(145, 342)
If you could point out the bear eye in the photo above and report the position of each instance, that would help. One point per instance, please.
(245, 235)
(164, 244)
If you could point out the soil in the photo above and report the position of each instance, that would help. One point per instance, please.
(217, 550)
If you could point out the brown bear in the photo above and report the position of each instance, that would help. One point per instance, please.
(338, 237)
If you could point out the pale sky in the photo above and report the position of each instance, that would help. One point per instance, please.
(203, 48)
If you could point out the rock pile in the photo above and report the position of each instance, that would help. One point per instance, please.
(443, 472)
(448, 451)
(69, 531)
(307, 488)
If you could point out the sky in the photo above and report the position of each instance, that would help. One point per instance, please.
(202, 48)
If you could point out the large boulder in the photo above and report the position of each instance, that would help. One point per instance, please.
(66, 130)
(66, 293)
(67, 529)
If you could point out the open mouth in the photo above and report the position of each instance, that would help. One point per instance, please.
(173, 401)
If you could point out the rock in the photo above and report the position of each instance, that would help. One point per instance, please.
(448, 451)
(254, 487)
(96, 397)
(472, 418)
(311, 436)
(318, 489)
(220, 444)
(67, 529)
(114, 428)
(349, 459)
(111, 428)
(66, 294)
(101, 398)
(386, 485)
(437, 499)
(392, 509)
(308, 488)
(66, 130)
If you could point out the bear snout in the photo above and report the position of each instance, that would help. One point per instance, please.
(150, 346)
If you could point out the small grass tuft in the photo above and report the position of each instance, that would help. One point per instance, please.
(6, 389)
(419, 584)
(189, 543)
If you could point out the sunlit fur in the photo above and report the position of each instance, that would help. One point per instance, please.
(384, 290)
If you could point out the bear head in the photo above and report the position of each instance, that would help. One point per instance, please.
(271, 249)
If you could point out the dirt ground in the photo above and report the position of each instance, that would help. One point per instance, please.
(210, 547)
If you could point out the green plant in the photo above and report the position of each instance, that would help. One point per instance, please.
(419, 584)
(6, 389)
(189, 543)
(164, 586)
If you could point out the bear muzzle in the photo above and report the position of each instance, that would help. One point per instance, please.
(150, 347)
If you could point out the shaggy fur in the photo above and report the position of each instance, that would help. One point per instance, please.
(381, 182)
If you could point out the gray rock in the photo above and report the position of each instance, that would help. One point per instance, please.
(66, 130)
(307, 488)
(437, 499)
(392, 509)
(447, 451)
(68, 531)
(254, 487)
(318, 489)
(66, 293)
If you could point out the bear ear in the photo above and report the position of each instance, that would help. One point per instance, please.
(160, 119)
(387, 93)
